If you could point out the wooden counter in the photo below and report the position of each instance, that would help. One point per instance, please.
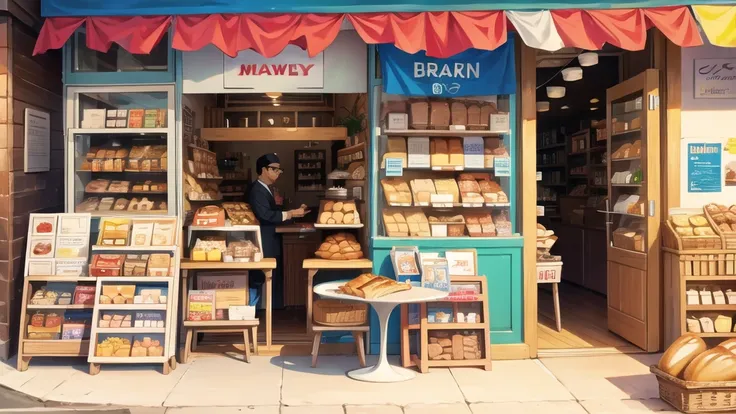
(315, 265)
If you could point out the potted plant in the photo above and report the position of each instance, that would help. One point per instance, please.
(354, 121)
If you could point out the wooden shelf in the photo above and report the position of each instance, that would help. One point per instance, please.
(136, 279)
(132, 307)
(716, 334)
(54, 348)
(440, 133)
(194, 147)
(70, 307)
(552, 146)
(222, 323)
(709, 278)
(265, 264)
(545, 166)
(130, 331)
(274, 134)
(338, 226)
(132, 248)
(627, 185)
(631, 131)
(61, 278)
(235, 194)
(319, 264)
(458, 326)
(711, 308)
(625, 159)
(128, 360)
(119, 131)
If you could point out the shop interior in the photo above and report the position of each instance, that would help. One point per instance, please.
(572, 156)
(309, 133)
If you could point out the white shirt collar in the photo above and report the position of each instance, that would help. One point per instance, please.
(265, 185)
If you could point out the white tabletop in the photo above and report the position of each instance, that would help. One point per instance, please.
(415, 294)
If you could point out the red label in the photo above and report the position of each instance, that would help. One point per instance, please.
(284, 69)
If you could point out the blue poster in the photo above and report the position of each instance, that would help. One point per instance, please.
(704, 168)
(470, 73)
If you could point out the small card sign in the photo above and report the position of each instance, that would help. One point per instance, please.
(418, 152)
(241, 313)
(394, 167)
(502, 166)
(435, 274)
(473, 150)
(539, 176)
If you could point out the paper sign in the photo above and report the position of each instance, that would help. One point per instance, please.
(540, 211)
(539, 176)
(418, 152)
(394, 167)
(704, 168)
(502, 166)
(473, 150)
(715, 78)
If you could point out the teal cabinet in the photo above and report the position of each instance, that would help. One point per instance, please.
(499, 260)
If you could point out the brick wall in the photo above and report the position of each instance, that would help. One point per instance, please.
(25, 82)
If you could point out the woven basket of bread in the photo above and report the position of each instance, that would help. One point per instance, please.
(723, 220)
(681, 234)
(338, 313)
(696, 397)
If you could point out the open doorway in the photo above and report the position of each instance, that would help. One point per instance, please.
(573, 156)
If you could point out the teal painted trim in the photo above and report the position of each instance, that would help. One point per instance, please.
(514, 160)
(450, 242)
(72, 78)
(374, 103)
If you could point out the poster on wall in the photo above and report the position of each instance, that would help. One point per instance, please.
(715, 78)
(290, 69)
(704, 167)
(470, 73)
(37, 148)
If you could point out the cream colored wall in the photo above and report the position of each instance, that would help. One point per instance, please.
(704, 120)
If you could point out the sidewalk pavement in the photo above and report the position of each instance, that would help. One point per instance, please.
(288, 385)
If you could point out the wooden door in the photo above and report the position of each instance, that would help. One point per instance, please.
(633, 212)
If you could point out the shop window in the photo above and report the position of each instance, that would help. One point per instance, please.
(117, 59)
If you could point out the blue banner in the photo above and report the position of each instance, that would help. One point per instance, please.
(66, 8)
(470, 73)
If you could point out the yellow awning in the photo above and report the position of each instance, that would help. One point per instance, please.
(719, 24)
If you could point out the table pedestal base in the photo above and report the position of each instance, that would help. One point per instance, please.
(382, 373)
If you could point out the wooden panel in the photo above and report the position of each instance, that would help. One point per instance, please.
(626, 303)
(55, 348)
(297, 248)
(274, 134)
(527, 137)
(595, 261)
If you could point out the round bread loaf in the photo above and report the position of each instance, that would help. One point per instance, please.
(337, 256)
(324, 216)
(338, 216)
(324, 247)
(348, 206)
(337, 206)
(334, 248)
(343, 244)
(729, 344)
(349, 218)
(681, 353)
(328, 206)
(353, 256)
(717, 364)
(331, 221)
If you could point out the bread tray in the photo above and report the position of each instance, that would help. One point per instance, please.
(696, 397)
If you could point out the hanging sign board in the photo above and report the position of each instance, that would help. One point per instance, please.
(470, 73)
(37, 149)
(715, 78)
(290, 69)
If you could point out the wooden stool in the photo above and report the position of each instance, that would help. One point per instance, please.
(358, 335)
(193, 327)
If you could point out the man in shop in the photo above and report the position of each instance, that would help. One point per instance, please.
(269, 214)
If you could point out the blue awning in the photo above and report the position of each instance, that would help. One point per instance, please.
(68, 8)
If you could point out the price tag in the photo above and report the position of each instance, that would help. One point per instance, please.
(394, 167)
(539, 176)
(502, 166)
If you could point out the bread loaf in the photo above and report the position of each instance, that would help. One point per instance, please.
(459, 113)
(717, 364)
(681, 353)
(474, 114)
(422, 190)
(419, 112)
(396, 191)
(340, 246)
(439, 116)
(395, 148)
(447, 186)
(456, 152)
(439, 152)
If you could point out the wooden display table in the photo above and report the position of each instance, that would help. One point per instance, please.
(193, 327)
(266, 265)
(315, 265)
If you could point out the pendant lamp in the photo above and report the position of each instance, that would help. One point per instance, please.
(572, 74)
(542, 106)
(555, 92)
(588, 59)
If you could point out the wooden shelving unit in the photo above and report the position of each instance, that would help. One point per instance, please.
(422, 360)
(274, 134)
(29, 348)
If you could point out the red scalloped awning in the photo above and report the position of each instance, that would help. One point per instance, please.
(440, 34)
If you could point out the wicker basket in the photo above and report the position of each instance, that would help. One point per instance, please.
(676, 242)
(728, 237)
(338, 313)
(696, 397)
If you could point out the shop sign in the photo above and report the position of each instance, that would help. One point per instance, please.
(291, 69)
(470, 73)
(37, 149)
(704, 167)
(715, 78)
(394, 167)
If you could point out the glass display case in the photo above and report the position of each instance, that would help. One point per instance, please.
(118, 154)
(445, 167)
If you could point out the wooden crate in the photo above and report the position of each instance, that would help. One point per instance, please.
(672, 240)
(728, 237)
(696, 397)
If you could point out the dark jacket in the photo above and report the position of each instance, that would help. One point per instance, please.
(269, 215)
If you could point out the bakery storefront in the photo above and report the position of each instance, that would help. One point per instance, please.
(415, 156)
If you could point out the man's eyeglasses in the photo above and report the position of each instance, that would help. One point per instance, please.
(276, 169)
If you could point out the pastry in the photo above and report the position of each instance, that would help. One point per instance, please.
(700, 221)
(685, 231)
(96, 186)
(703, 231)
(371, 286)
(680, 220)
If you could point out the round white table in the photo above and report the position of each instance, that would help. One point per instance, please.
(382, 371)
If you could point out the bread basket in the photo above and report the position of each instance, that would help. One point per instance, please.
(696, 397)
(338, 313)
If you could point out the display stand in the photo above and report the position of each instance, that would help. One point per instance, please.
(422, 361)
(266, 265)
(167, 360)
(29, 348)
(382, 371)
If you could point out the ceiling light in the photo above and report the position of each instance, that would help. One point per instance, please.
(542, 106)
(273, 95)
(594, 100)
(594, 108)
(565, 107)
(588, 59)
(555, 92)
(572, 74)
